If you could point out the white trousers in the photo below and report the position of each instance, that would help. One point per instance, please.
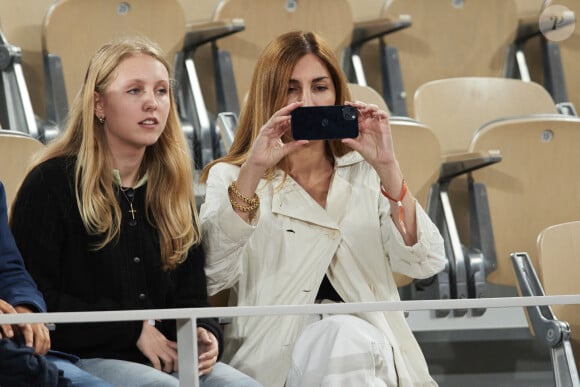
(342, 350)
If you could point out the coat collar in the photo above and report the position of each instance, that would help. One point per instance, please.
(348, 159)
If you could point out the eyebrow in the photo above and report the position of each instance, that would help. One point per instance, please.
(292, 80)
(139, 80)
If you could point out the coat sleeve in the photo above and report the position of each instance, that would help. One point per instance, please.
(422, 260)
(16, 285)
(225, 234)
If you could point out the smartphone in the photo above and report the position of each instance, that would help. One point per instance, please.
(324, 122)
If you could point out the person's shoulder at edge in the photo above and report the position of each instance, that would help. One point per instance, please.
(2, 194)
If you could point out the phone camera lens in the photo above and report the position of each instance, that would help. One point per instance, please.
(349, 113)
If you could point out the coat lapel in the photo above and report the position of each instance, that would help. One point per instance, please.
(292, 201)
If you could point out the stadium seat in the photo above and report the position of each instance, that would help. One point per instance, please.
(69, 44)
(17, 150)
(265, 19)
(371, 25)
(557, 327)
(190, 96)
(456, 107)
(534, 186)
(367, 94)
(446, 39)
(558, 248)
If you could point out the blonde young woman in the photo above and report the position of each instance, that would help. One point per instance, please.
(106, 220)
(295, 222)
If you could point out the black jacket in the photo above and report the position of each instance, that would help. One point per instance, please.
(125, 274)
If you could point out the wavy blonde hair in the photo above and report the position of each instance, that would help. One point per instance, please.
(169, 200)
(269, 93)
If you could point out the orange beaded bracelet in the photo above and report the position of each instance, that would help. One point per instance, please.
(399, 202)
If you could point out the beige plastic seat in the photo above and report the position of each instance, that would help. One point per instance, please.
(75, 29)
(446, 39)
(266, 19)
(534, 186)
(549, 57)
(555, 327)
(17, 151)
(419, 155)
(367, 94)
(456, 107)
(558, 267)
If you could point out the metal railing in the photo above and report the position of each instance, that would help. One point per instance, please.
(186, 318)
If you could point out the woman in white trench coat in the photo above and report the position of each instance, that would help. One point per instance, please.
(295, 222)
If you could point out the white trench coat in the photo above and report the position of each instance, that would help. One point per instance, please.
(281, 259)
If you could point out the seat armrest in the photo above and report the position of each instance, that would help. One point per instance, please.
(366, 30)
(460, 163)
(527, 29)
(201, 33)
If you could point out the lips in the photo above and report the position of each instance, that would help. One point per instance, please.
(149, 121)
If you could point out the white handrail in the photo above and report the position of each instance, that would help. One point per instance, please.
(186, 328)
(330, 308)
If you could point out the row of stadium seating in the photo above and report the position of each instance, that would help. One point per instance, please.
(492, 159)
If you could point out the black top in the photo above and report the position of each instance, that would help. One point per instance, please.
(327, 291)
(125, 274)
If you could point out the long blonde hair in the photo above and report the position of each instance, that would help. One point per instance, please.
(169, 200)
(269, 92)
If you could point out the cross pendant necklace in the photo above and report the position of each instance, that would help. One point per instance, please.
(130, 193)
(132, 210)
